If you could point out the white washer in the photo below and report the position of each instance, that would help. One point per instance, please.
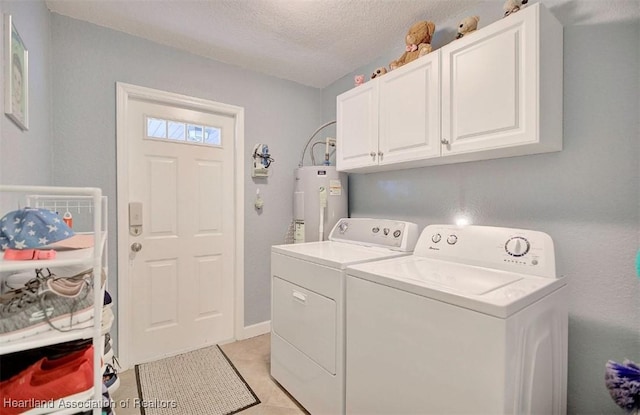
(474, 322)
(307, 306)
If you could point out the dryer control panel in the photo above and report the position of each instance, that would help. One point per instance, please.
(508, 249)
(383, 233)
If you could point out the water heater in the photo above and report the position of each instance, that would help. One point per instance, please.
(320, 198)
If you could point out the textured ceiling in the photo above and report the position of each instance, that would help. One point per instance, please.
(312, 42)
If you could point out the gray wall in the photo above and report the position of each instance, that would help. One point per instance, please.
(89, 60)
(26, 156)
(586, 197)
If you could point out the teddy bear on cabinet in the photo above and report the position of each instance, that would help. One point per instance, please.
(467, 26)
(378, 72)
(418, 41)
(512, 6)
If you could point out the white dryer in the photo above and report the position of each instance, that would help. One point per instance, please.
(474, 322)
(307, 306)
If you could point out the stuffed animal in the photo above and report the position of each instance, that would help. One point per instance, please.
(359, 80)
(418, 41)
(467, 26)
(379, 72)
(512, 6)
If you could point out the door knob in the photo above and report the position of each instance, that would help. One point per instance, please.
(444, 141)
(136, 247)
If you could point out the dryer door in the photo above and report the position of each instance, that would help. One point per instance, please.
(307, 321)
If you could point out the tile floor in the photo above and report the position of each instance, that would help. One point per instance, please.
(251, 358)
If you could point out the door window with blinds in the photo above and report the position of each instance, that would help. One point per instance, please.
(182, 132)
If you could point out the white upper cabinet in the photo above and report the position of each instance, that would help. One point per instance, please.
(502, 88)
(357, 124)
(391, 120)
(409, 119)
(494, 93)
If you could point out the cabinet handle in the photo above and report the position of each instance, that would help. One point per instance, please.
(373, 154)
(444, 141)
(299, 296)
(380, 154)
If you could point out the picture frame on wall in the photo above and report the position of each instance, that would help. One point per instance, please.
(16, 91)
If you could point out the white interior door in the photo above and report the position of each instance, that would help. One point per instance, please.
(181, 259)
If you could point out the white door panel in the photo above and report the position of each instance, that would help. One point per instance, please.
(499, 81)
(161, 177)
(210, 286)
(183, 275)
(161, 281)
(489, 88)
(357, 127)
(410, 112)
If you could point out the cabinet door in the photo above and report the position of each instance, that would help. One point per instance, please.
(357, 127)
(489, 86)
(410, 112)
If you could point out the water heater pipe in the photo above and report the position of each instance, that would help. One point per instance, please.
(311, 138)
(329, 143)
(323, 206)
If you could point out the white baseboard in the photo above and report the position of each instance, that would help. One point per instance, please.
(255, 330)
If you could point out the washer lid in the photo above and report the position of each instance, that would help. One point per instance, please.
(495, 292)
(335, 254)
(455, 277)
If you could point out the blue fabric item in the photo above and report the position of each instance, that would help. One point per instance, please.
(30, 228)
(623, 382)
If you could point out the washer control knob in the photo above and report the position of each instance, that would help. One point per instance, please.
(343, 227)
(396, 233)
(517, 246)
(385, 231)
(452, 239)
(436, 238)
(375, 229)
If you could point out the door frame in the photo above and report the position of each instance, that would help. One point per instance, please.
(124, 93)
